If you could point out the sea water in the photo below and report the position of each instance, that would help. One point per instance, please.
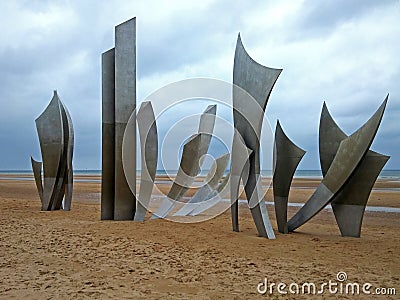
(385, 174)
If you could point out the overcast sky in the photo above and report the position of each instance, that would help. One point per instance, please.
(346, 53)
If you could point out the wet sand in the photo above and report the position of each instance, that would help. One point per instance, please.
(75, 255)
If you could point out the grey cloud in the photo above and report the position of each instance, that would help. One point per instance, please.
(352, 75)
(324, 16)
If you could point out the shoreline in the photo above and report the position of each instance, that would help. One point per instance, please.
(385, 193)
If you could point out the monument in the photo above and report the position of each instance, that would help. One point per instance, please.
(211, 187)
(349, 168)
(287, 156)
(256, 80)
(190, 163)
(350, 153)
(349, 204)
(118, 202)
(149, 156)
(56, 137)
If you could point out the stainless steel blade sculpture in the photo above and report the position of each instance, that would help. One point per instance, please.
(118, 202)
(287, 156)
(349, 204)
(149, 155)
(212, 198)
(190, 162)
(188, 169)
(208, 190)
(256, 80)
(70, 151)
(238, 172)
(37, 174)
(56, 137)
(349, 154)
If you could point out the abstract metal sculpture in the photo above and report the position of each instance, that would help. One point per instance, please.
(193, 151)
(118, 202)
(258, 81)
(56, 137)
(213, 198)
(287, 156)
(348, 166)
(149, 155)
(188, 169)
(349, 154)
(208, 190)
(349, 204)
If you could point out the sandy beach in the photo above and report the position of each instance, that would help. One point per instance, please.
(73, 254)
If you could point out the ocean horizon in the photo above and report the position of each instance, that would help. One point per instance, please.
(385, 174)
